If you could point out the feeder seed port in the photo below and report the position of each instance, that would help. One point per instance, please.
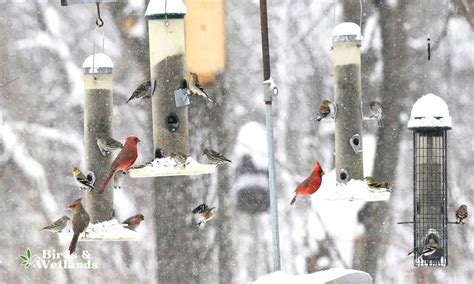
(172, 122)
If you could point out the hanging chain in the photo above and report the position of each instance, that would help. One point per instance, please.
(99, 22)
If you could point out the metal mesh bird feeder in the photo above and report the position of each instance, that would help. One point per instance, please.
(430, 121)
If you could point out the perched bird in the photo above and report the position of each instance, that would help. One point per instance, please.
(375, 111)
(108, 144)
(311, 184)
(215, 157)
(461, 214)
(133, 222)
(58, 225)
(179, 158)
(80, 221)
(194, 88)
(119, 177)
(430, 248)
(372, 184)
(205, 213)
(84, 182)
(124, 159)
(144, 91)
(326, 109)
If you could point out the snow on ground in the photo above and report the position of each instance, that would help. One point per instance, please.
(110, 230)
(168, 167)
(334, 275)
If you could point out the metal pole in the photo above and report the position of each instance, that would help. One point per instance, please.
(98, 106)
(269, 92)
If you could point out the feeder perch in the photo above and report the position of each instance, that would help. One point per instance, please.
(110, 230)
(429, 122)
(168, 167)
(350, 190)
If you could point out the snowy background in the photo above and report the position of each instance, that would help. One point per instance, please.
(43, 46)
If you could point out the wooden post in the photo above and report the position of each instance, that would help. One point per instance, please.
(346, 58)
(98, 106)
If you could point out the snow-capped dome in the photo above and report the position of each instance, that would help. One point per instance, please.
(346, 32)
(102, 64)
(430, 111)
(157, 9)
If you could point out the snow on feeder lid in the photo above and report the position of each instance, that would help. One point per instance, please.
(163, 9)
(99, 63)
(346, 32)
(430, 111)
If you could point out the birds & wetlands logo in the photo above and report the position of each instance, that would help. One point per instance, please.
(52, 259)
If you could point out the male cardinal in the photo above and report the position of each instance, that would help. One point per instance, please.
(215, 157)
(80, 221)
(124, 160)
(311, 184)
(133, 222)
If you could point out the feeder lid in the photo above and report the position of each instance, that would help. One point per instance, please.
(102, 64)
(430, 111)
(346, 32)
(163, 9)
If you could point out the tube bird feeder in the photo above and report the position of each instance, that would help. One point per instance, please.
(170, 123)
(346, 41)
(98, 106)
(429, 122)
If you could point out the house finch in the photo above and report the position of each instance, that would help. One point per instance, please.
(311, 184)
(461, 214)
(80, 221)
(108, 144)
(372, 184)
(85, 183)
(205, 213)
(144, 91)
(119, 177)
(215, 157)
(326, 109)
(124, 160)
(194, 88)
(375, 111)
(179, 158)
(58, 225)
(133, 222)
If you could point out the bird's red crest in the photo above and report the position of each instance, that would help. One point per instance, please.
(74, 203)
(132, 139)
(318, 169)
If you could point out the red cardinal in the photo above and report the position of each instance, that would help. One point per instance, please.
(311, 184)
(124, 160)
(80, 221)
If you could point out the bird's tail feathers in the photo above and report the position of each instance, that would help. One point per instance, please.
(293, 200)
(72, 246)
(106, 182)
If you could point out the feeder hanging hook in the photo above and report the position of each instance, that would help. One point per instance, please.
(99, 22)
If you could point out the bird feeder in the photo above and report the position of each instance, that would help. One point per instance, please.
(251, 184)
(98, 107)
(429, 122)
(346, 41)
(170, 123)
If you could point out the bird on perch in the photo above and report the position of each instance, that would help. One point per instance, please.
(84, 182)
(311, 184)
(108, 144)
(375, 111)
(143, 91)
(326, 109)
(179, 158)
(430, 247)
(133, 222)
(194, 88)
(372, 184)
(80, 221)
(58, 225)
(215, 157)
(205, 212)
(461, 214)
